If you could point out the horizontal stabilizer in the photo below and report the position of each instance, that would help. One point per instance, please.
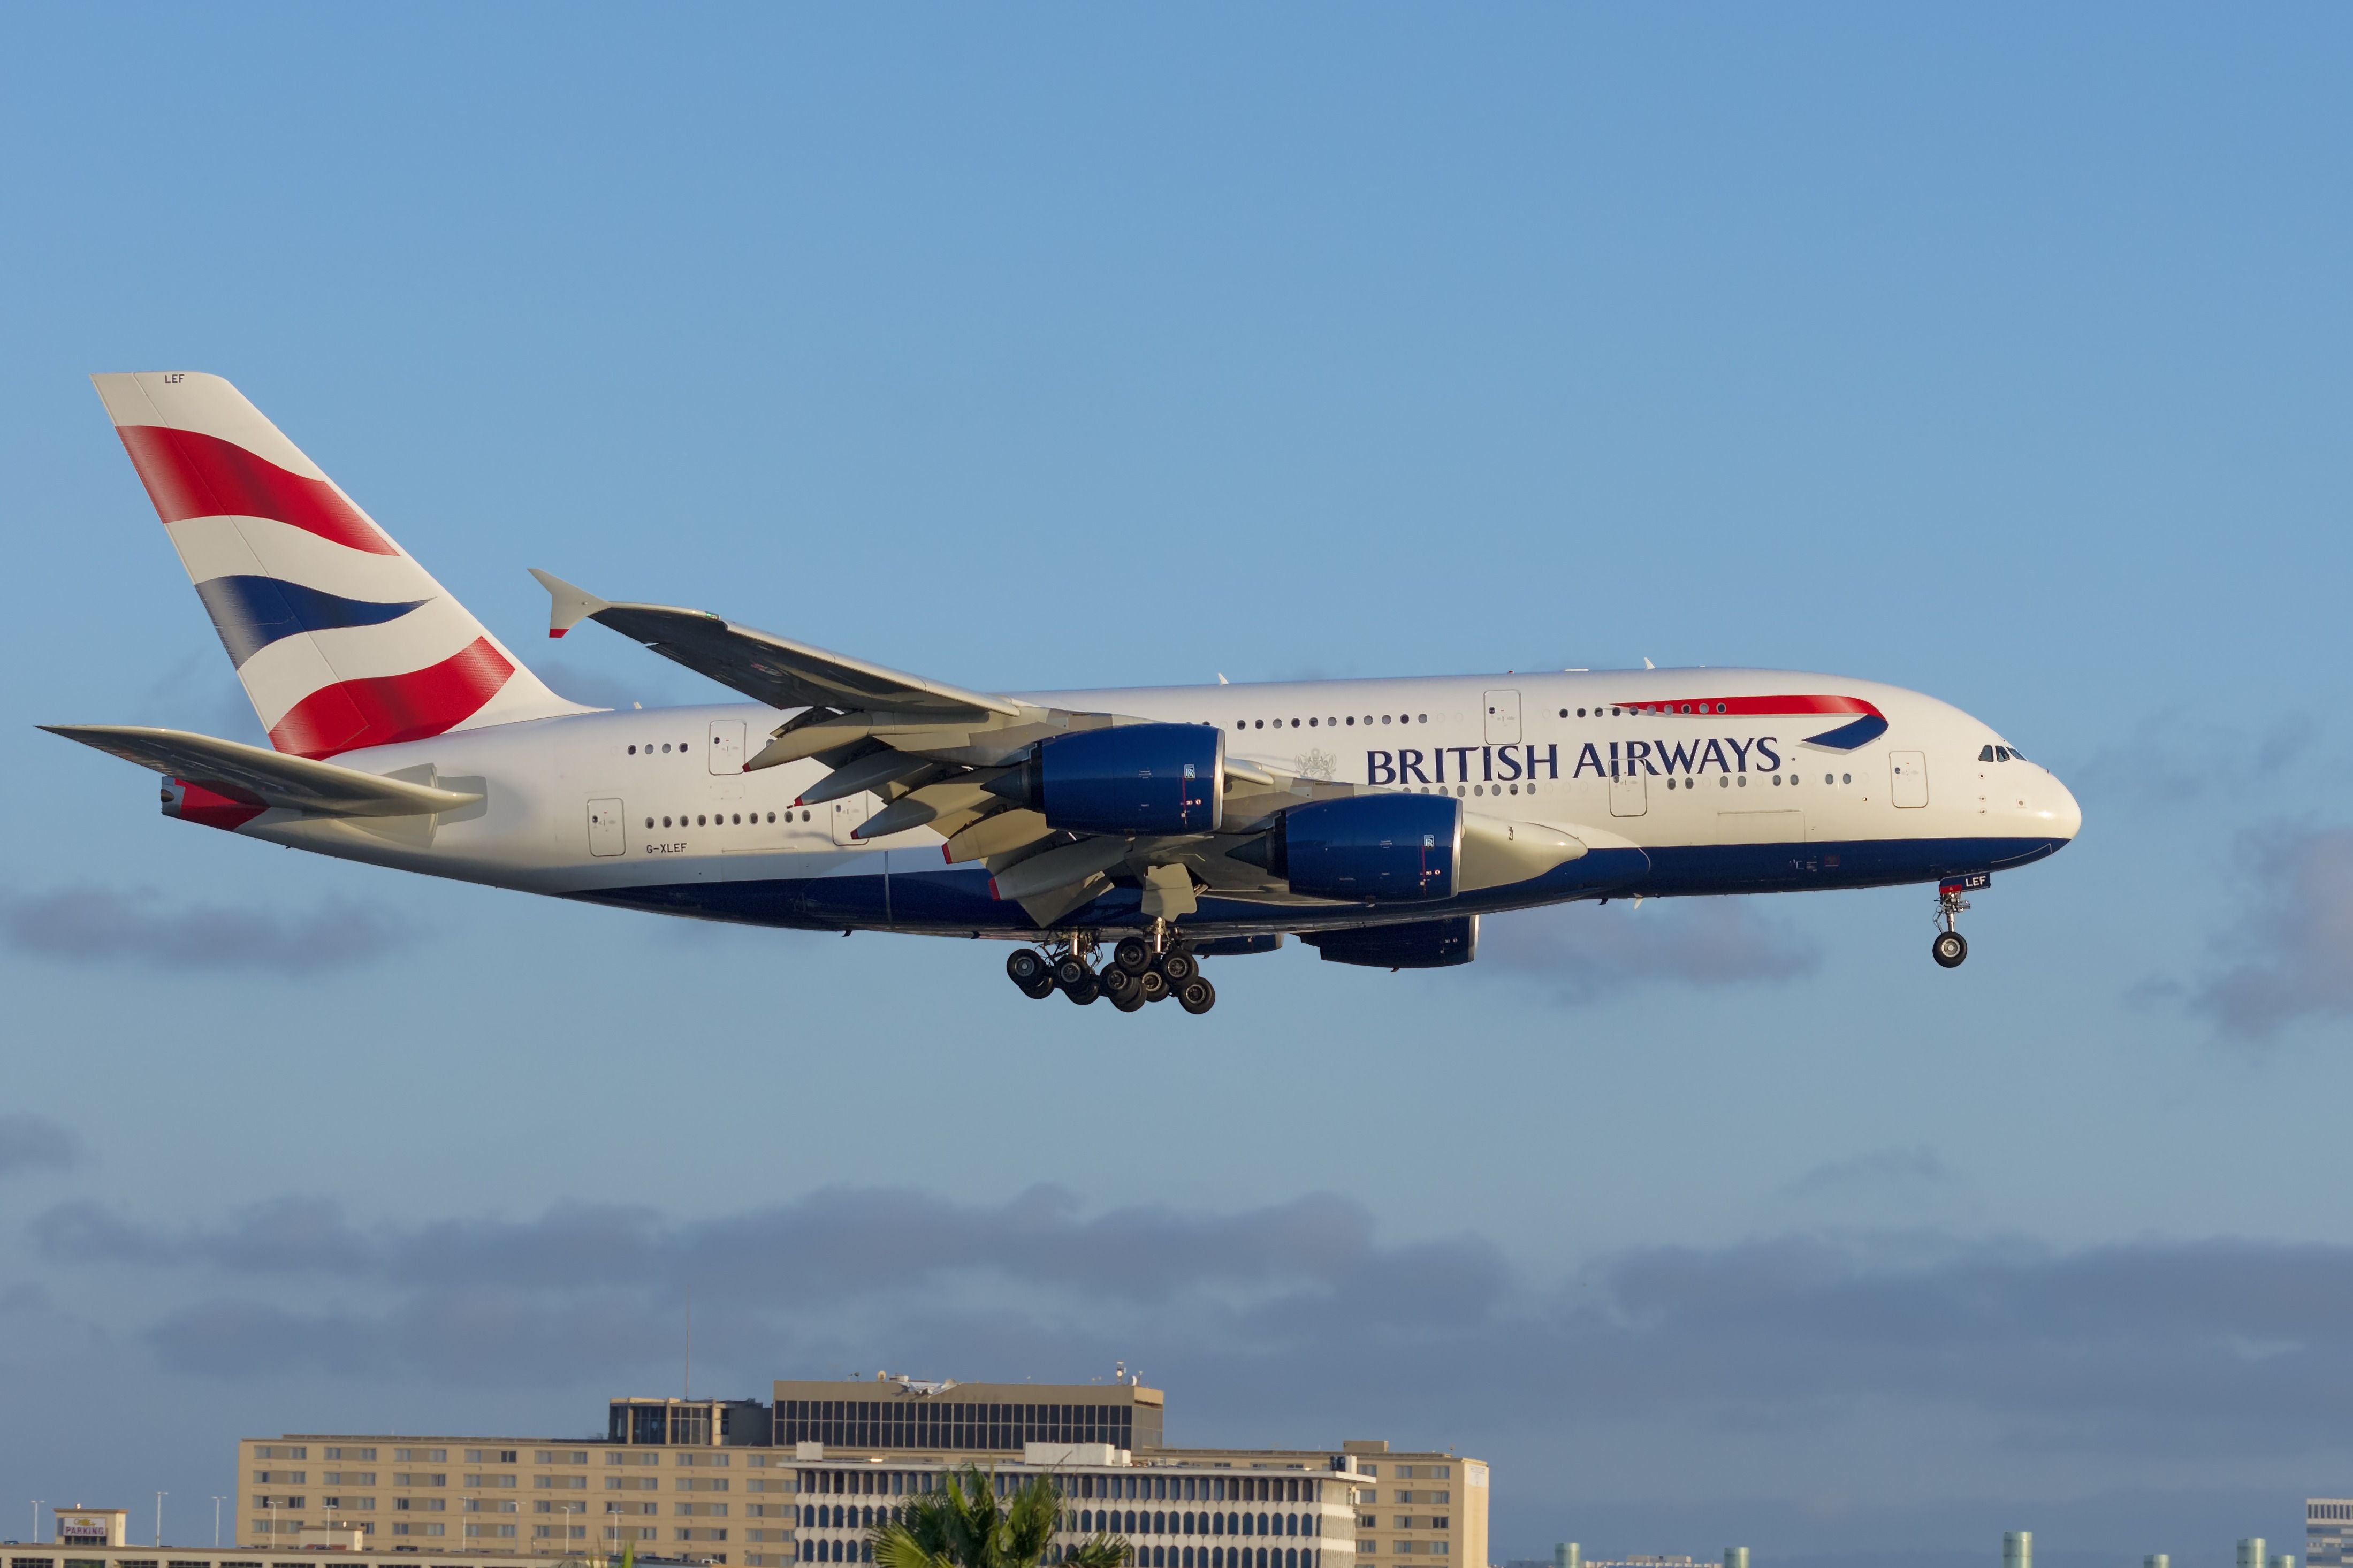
(261, 778)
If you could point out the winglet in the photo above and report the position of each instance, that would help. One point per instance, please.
(568, 605)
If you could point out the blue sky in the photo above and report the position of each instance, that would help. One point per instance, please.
(2003, 357)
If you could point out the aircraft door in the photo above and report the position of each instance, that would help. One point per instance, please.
(607, 833)
(846, 816)
(1907, 778)
(1628, 797)
(1502, 718)
(725, 752)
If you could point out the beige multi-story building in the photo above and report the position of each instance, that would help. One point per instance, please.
(1416, 1507)
(740, 1482)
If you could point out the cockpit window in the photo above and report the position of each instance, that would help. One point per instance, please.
(1986, 755)
(2002, 754)
(2016, 755)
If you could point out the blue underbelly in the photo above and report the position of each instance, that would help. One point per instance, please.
(955, 899)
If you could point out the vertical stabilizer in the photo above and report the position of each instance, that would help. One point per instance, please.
(342, 639)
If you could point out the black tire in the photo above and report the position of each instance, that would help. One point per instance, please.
(1085, 993)
(1949, 949)
(1152, 986)
(1133, 955)
(1196, 996)
(1180, 967)
(1037, 990)
(1117, 982)
(1025, 966)
(1071, 973)
(1129, 1001)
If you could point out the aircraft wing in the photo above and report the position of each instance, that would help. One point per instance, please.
(929, 750)
(767, 669)
(261, 777)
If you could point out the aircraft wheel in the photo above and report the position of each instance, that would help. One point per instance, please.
(1085, 990)
(1950, 948)
(1128, 1001)
(1071, 973)
(1196, 996)
(1133, 955)
(1037, 990)
(1117, 983)
(1180, 967)
(1152, 986)
(1026, 967)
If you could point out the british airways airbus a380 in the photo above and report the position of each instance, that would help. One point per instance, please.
(1376, 819)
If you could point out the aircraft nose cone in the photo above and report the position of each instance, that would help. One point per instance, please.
(2067, 815)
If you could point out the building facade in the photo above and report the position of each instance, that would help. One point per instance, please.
(739, 1482)
(2329, 1532)
(1427, 1509)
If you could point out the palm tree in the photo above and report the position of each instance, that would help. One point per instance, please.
(961, 1526)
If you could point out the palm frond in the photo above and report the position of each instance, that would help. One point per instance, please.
(1102, 1552)
(962, 1525)
(896, 1546)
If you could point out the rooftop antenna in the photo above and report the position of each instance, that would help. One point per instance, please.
(686, 1388)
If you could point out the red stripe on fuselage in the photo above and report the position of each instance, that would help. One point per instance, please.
(389, 708)
(1730, 706)
(191, 475)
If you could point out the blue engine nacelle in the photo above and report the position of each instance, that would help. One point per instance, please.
(1375, 846)
(1129, 778)
(1418, 945)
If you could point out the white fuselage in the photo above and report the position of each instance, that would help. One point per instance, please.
(652, 807)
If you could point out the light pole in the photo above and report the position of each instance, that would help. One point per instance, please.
(37, 1522)
(159, 1516)
(217, 1503)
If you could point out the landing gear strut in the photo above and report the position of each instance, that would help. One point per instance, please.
(1950, 946)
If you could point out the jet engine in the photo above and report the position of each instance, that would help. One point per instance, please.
(1128, 778)
(1380, 847)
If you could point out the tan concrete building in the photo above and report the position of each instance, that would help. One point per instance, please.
(1417, 1507)
(738, 1482)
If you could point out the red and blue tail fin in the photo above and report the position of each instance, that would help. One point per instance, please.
(342, 639)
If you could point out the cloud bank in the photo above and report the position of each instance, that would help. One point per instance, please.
(30, 1142)
(2288, 956)
(107, 925)
(1590, 951)
(2173, 1347)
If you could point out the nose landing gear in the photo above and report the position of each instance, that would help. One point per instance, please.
(1951, 947)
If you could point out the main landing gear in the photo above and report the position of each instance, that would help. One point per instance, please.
(1140, 970)
(1951, 947)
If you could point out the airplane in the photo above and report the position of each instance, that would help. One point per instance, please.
(1117, 837)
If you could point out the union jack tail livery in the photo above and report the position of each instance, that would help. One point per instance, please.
(342, 639)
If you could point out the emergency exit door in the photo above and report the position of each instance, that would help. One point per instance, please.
(848, 815)
(1907, 782)
(1628, 797)
(1502, 718)
(607, 835)
(725, 752)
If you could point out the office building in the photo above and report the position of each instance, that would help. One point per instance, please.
(1426, 1508)
(740, 1482)
(2329, 1532)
